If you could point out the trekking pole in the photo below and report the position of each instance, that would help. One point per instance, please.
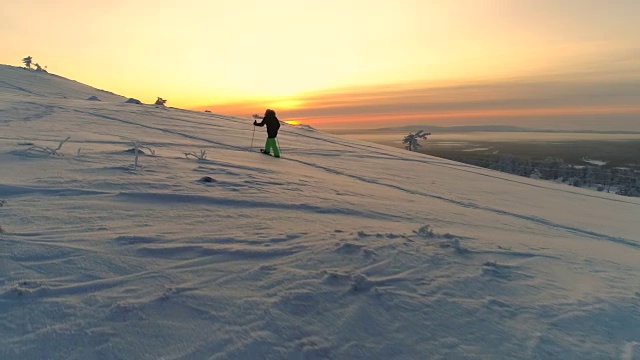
(278, 142)
(252, 135)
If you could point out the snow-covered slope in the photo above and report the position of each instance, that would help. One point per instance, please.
(338, 250)
(22, 81)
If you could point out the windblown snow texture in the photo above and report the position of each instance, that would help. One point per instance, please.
(340, 250)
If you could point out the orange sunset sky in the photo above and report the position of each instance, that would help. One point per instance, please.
(349, 63)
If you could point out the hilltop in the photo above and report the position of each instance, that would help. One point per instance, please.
(340, 249)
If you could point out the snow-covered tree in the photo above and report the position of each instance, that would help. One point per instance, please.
(535, 174)
(411, 140)
(27, 61)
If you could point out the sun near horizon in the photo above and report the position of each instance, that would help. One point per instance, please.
(347, 63)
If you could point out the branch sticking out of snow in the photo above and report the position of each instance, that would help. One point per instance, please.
(153, 152)
(49, 150)
(60, 145)
(201, 156)
(137, 149)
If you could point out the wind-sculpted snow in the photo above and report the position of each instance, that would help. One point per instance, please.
(338, 250)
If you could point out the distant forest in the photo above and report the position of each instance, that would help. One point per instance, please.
(619, 180)
(616, 168)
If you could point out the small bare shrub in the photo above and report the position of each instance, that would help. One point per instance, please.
(201, 156)
(49, 150)
(137, 149)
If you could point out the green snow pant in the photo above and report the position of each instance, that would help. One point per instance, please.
(272, 144)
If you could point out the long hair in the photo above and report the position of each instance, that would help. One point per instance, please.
(270, 114)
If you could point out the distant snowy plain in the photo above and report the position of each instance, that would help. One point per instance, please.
(341, 249)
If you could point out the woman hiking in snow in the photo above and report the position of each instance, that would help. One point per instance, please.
(273, 124)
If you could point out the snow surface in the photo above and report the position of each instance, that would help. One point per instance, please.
(595, 162)
(341, 249)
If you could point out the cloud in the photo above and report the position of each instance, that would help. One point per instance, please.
(595, 89)
(592, 88)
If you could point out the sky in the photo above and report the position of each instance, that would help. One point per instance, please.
(349, 63)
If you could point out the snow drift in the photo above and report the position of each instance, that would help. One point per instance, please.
(338, 250)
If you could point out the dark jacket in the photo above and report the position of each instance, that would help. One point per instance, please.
(272, 122)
